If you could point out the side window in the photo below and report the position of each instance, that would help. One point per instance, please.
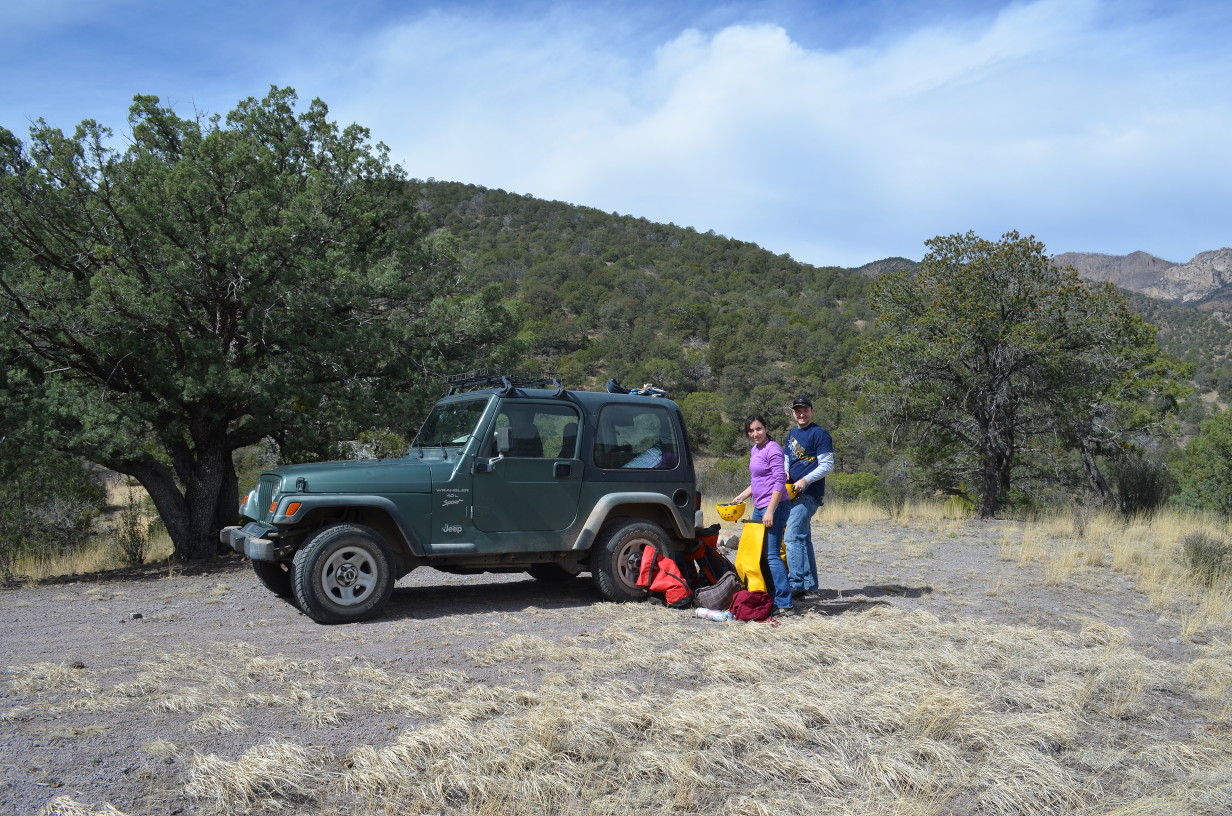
(537, 431)
(636, 437)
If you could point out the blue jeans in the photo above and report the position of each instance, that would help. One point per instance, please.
(798, 536)
(774, 570)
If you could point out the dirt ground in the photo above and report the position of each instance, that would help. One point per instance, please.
(72, 650)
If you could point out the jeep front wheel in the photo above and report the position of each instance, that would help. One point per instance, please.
(616, 558)
(343, 574)
(275, 576)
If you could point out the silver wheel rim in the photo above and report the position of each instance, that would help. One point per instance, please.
(349, 576)
(626, 570)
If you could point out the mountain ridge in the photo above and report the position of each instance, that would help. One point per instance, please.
(1204, 282)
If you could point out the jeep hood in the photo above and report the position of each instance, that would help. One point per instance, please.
(386, 476)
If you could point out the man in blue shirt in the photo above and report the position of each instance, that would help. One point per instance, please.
(808, 455)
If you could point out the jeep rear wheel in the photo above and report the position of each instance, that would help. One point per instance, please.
(275, 576)
(616, 558)
(343, 574)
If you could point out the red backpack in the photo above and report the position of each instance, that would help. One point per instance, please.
(660, 575)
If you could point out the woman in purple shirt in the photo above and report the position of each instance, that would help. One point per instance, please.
(766, 489)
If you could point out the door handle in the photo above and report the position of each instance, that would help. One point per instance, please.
(562, 470)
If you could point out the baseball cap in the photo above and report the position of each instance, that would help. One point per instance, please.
(805, 401)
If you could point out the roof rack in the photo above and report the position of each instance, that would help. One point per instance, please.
(508, 382)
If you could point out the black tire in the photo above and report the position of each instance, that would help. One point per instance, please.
(550, 573)
(615, 558)
(343, 574)
(275, 576)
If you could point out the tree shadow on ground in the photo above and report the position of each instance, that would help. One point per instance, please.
(226, 563)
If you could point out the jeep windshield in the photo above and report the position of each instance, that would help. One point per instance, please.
(451, 424)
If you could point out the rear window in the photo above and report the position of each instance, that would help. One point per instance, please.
(636, 437)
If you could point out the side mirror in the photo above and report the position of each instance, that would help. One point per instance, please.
(503, 443)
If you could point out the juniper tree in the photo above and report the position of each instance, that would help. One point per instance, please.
(987, 350)
(214, 281)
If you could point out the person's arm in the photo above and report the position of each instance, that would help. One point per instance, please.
(825, 464)
(776, 453)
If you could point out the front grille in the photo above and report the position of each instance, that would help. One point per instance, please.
(266, 488)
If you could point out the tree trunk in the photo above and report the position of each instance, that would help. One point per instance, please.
(990, 488)
(998, 461)
(1096, 479)
(195, 506)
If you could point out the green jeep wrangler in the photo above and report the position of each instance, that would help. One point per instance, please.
(506, 475)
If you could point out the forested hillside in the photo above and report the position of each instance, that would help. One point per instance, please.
(727, 327)
(1199, 337)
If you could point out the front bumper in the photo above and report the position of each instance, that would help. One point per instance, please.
(251, 540)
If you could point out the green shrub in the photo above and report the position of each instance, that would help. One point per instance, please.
(380, 444)
(856, 487)
(48, 506)
(131, 534)
(957, 506)
(896, 488)
(1142, 484)
(723, 478)
(1207, 557)
(252, 461)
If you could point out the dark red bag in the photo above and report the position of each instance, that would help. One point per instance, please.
(752, 606)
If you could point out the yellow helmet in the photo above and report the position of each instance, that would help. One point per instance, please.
(730, 512)
(791, 491)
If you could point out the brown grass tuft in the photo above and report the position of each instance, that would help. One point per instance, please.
(270, 769)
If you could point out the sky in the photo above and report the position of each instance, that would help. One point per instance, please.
(837, 132)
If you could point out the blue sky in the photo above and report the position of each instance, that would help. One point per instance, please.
(837, 132)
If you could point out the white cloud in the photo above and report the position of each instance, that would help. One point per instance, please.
(1095, 125)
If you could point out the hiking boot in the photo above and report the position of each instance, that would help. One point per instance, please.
(782, 612)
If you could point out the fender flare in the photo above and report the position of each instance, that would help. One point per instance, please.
(310, 502)
(602, 510)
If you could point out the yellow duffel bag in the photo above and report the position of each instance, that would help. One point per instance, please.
(748, 556)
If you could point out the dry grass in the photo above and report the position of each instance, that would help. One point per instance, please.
(838, 513)
(271, 770)
(97, 557)
(1147, 551)
(883, 712)
(67, 806)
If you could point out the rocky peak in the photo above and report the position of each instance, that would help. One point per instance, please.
(1189, 283)
(1195, 281)
(1134, 271)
